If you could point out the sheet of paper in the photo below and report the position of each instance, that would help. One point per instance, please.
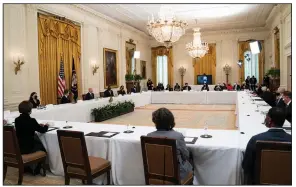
(189, 139)
(109, 134)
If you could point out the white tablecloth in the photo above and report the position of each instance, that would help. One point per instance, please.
(226, 97)
(198, 87)
(179, 97)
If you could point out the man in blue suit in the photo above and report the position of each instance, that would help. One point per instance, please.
(275, 119)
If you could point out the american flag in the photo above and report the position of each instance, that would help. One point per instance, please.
(61, 80)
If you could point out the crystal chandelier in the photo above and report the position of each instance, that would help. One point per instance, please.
(197, 49)
(167, 28)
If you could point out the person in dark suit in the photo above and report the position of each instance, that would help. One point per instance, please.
(150, 84)
(259, 91)
(177, 87)
(160, 87)
(205, 87)
(121, 90)
(34, 100)
(279, 98)
(65, 99)
(275, 119)
(168, 87)
(247, 82)
(236, 87)
(26, 127)
(187, 87)
(287, 97)
(266, 80)
(164, 122)
(134, 89)
(108, 92)
(90, 95)
(253, 82)
(218, 87)
(224, 86)
(267, 96)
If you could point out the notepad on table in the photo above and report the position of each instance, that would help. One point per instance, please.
(109, 134)
(189, 139)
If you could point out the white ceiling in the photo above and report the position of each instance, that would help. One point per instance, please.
(209, 17)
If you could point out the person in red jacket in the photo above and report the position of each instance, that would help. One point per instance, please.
(229, 87)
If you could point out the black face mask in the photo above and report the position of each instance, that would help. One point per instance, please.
(35, 97)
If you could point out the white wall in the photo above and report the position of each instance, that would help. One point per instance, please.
(226, 52)
(280, 17)
(97, 32)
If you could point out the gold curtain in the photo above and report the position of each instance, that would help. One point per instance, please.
(161, 51)
(242, 48)
(57, 39)
(206, 64)
(277, 48)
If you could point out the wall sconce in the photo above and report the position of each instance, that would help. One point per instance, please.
(18, 61)
(95, 67)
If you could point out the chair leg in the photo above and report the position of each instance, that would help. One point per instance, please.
(44, 168)
(4, 172)
(21, 175)
(67, 180)
(108, 177)
(89, 181)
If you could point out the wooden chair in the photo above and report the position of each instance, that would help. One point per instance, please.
(14, 158)
(160, 162)
(76, 162)
(273, 163)
(83, 96)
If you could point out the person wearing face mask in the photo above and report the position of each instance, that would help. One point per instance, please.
(187, 87)
(205, 87)
(65, 99)
(121, 91)
(177, 87)
(287, 97)
(25, 128)
(108, 92)
(274, 120)
(150, 84)
(279, 98)
(218, 87)
(34, 100)
(236, 87)
(134, 89)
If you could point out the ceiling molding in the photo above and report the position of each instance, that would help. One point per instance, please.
(230, 31)
(274, 12)
(107, 18)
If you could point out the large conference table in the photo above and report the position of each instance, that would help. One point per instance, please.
(217, 161)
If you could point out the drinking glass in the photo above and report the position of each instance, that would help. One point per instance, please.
(206, 129)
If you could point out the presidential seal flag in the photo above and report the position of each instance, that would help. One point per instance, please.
(74, 89)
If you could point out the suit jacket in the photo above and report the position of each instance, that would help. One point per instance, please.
(280, 103)
(218, 88)
(289, 112)
(25, 127)
(268, 97)
(205, 88)
(149, 85)
(253, 80)
(187, 87)
(35, 105)
(177, 88)
(182, 151)
(89, 96)
(122, 92)
(133, 90)
(236, 87)
(250, 153)
(108, 94)
(65, 100)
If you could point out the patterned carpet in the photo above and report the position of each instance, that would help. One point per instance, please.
(186, 116)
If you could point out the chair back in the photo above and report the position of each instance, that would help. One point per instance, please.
(83, 96)
(12, 153)
(102, 94)
(273, 163)
(74, 152)
(160, 161)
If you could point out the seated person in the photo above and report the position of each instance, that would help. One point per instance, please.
(218, 87)
(153, 88)
(224, 86)
(229, 87)
(168, 87)
(150, 84)
(25, 128)
(186, 87)
(65, 99)
(164, 122)
(275, 119)
(134, 89)
(259, 91)
(236, 87)
(267, 96)
(205, 87)
(243, 87)
(279, 98)
(90, 95)
(121, 90)
(287, 97)
(108, 92)
(34, 100)
(177, 87)
(160, 87)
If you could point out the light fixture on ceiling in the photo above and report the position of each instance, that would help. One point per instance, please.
(196, 48)
(167, 28)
